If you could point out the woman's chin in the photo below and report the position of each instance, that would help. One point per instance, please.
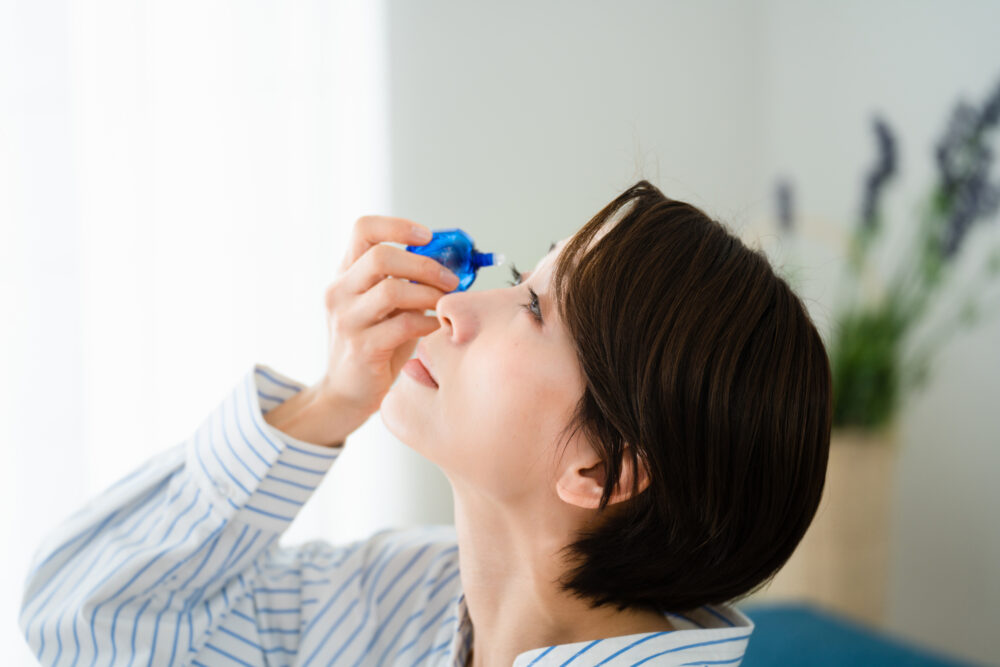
(400, 410)
(411, 419)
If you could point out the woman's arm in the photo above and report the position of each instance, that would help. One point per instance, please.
(149, 567)
(309, 416)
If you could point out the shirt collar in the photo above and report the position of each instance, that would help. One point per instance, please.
(711, 633)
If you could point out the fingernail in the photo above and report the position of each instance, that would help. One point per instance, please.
(449, 277)
(420, 233)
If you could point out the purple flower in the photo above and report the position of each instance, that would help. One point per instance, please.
(991, 110)
(949, 153)
(884, 168)
(975, 199)
(783, 196)
(964, 162)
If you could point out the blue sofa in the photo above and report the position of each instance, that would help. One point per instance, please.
(792, 633)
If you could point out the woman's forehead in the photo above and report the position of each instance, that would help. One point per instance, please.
(554, 249)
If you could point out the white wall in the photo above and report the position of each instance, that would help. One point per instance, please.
(517, 121)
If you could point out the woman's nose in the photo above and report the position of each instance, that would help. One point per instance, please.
(458, 315)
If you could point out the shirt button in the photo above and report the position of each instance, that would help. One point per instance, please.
(221, 486)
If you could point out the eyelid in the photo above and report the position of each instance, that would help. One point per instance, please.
(537, 303)
(532, 306)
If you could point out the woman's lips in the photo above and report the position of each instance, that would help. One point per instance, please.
(416, 370)
(422, 356)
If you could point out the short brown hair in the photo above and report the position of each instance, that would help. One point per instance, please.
(703, 364)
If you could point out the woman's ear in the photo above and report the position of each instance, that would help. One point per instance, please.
(581, 482)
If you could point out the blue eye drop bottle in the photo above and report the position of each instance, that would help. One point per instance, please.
(456, 250)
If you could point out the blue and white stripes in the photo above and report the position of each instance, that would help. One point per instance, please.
(179, 563)
(705, 636)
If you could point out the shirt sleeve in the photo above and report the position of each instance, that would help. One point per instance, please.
(148, 568)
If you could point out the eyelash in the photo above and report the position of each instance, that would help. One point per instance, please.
(532, 307)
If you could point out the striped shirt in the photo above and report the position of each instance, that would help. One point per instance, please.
(179, 563)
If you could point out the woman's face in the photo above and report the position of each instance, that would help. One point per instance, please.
(507, 386)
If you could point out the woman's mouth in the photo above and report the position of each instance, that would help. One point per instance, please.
(416, 370)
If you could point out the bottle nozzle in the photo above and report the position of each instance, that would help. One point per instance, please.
(487, 259)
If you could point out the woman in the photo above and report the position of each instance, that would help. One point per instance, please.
(635, 432)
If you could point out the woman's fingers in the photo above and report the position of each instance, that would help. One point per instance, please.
(402, 328)
(375, 313)
(389, 295)
(370, 230)
(384, 260)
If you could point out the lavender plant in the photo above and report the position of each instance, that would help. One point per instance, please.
(873, 361)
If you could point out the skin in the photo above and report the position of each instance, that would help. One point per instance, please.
(507, 387)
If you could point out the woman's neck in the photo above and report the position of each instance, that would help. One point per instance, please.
(508, 570)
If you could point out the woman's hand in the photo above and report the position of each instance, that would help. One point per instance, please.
(375, 315)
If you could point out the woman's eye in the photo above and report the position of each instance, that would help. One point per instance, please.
(533, 307)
